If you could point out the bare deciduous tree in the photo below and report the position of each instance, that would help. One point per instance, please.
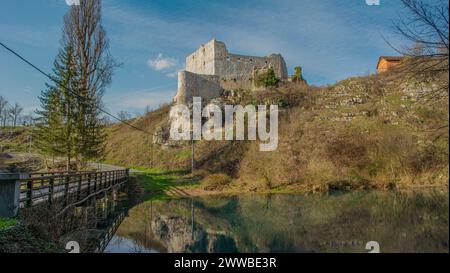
(425, 24)
(4, 111)
(124, 115)
(5, 117)
(28, 120)
(15, 112)
(83, 31)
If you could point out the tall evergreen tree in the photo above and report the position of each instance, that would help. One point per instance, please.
(57, 128)
(65, 67)
(49, 122)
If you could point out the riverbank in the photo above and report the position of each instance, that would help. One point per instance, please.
(17, 237)
(161, 184)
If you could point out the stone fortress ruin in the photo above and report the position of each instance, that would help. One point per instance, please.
(212, 69)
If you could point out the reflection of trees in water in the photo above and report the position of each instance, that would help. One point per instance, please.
(294, 223)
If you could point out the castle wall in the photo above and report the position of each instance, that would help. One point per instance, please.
(238, 65)
(202, 61)
(237, 71)
(213, 58)
(233, 82)
(196, 85)
(212, 68)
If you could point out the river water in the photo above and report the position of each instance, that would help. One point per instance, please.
(393, 221)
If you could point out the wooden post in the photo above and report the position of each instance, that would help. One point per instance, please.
(192, 158)
(105, 205)
(66, 187)
(192, 215)
(79, 187)
(95, 182)
(89, 184)
(51, 184)
(94, 207)
(29, 193)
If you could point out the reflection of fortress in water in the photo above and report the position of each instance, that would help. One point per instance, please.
(286, 223)
(173, 234)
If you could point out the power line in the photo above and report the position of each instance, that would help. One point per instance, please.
(71, 91)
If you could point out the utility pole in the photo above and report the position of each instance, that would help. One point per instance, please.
(147, 155)
(192, 219)
(30, 142)
(192, 149)
(192, 157)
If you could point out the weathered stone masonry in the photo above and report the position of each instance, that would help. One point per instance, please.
(211, 69)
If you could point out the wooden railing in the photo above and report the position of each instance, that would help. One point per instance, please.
(109, 233)
(67, 186)
(41, 174)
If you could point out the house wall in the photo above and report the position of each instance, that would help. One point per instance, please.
(385, 65)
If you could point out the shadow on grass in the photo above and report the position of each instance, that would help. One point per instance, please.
(160, 185)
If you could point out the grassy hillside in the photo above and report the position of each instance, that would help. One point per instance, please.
(361, 133)
(15, 139)
(15, 148)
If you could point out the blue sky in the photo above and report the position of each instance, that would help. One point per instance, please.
(330, 39)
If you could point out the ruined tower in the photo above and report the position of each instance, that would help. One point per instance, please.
(211, 69)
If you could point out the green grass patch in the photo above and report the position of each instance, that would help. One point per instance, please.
(159, 171)
(7, 222)
(183, 155)
(164, 184)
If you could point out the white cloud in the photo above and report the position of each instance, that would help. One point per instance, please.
(161, 63)
(73, 2)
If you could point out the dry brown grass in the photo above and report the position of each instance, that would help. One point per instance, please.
(215, 182)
